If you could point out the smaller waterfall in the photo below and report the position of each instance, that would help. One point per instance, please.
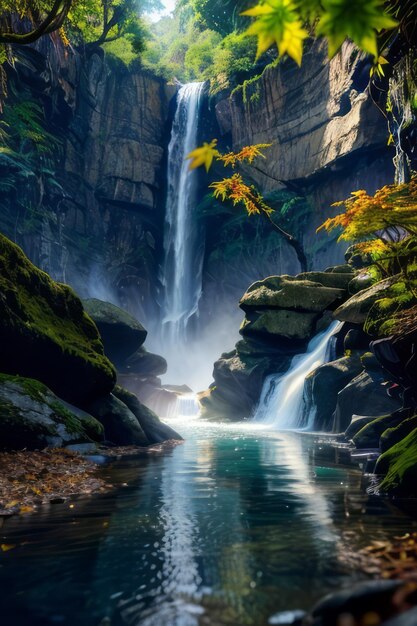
(281, 404)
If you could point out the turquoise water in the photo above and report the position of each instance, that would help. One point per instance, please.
(229, 528)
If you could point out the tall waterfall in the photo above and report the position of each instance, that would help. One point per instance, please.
(183, 242)
(281, 403)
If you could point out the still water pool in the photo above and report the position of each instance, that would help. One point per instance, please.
(229, 528)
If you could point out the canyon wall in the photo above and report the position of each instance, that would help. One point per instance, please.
(96, 219)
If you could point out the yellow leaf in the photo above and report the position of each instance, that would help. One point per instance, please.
(277, 22)
(203, 155)
(5, 547)
(11, 504)
(26, 509)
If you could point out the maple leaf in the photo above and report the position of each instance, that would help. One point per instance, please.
(247, 153)
(5, 547)
(354, 19)
(204, 155)
(377, 69)
(277, 22)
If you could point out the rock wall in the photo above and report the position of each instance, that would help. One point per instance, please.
(98, 223)
(328, 139)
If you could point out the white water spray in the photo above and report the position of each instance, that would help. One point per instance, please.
(281, 403)
(183, 243)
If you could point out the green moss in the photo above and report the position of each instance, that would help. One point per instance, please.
(49, 308)
(250, 89)
(33, 388)
(399, 464)
(369, 436)
(45, 321)
(381, 318)
(85, 426)
(395, 434)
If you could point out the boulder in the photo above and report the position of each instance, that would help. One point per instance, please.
(280, 323)
(155, 430)
(333, 279)
(395, 434)
(289, 292)
(374, 596)
(46, 334)
(121, 333)
(323, 385)
(33, 417)
(144, 363)
(369, 436)
(399, 467)
(239, 376)
(121, 426)
(356, 309)
(364, 395)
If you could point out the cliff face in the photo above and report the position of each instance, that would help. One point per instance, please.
(328, 139)
(313, 116)
(99, 221)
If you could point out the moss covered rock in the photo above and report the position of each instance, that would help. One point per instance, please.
(280, 323)
(381, 319)
(33, 417)
(45, 332)
(356, 309)
(395, 434)
(399, 467)
(288, 292)
(121, 333)
(369, 436)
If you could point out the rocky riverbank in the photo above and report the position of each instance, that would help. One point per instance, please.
(365, 395)
(57, 384)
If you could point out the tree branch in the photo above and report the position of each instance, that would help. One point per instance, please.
(53, 21)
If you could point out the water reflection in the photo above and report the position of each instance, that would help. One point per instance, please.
(229, 528)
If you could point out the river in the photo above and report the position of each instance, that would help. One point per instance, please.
(231, 527)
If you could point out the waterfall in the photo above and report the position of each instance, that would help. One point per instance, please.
(281, 404)
(183, 240)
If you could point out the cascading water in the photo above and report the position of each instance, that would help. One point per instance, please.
(183, 242)
(281, 403)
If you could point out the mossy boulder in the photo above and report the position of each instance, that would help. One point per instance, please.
(369, 436)
(334, 279)
(399, 467)
(46, 334)
(280, 323)
(364, 395)
(121, 333)
(155, 430)
(358, 306)
(395, 434)
(381, 319)
(289, 292)
(33, 417)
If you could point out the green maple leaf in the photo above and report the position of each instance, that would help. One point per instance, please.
(277, 22)
(358, 20)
